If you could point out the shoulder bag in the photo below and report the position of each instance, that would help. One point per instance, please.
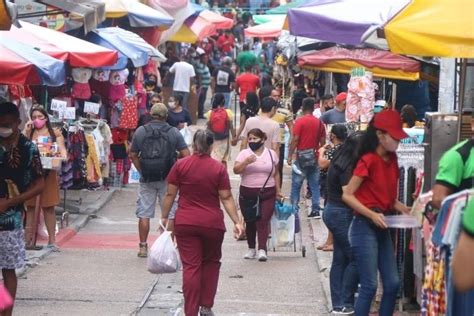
(251, 207)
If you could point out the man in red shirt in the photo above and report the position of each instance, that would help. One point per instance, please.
(309, 134)
(225, 43)
(246, 82)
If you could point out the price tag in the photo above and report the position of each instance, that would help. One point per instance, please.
(58, 105)
(70, 113)
(90, 107)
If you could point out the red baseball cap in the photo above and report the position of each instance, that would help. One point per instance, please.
(341, 97)
(390, 121)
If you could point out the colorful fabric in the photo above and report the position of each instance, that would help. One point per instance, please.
(12, 249)
(20, 166)
(360, 99)
(434, 287)
(129, 116)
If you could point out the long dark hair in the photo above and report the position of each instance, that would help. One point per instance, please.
(48, 122)
(370, 141)
(347, 155)
(252, 101)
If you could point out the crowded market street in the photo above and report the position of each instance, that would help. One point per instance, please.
(237, 157)
(98, 273)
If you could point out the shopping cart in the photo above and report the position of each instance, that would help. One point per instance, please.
(286, 232)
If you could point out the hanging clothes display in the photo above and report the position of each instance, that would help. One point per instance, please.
(81, 89)
(446, 300)
(77, 153)
(129, 114)
(360, 97)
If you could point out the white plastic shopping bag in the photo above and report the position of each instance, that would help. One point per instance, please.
(187, 135)
(283, 231)
(163, 256)
(134, 175)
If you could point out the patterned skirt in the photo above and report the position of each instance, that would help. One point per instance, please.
(12, 249)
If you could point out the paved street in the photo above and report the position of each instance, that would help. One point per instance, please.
(97, 272)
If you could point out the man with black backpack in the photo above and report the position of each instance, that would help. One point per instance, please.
(154, 150)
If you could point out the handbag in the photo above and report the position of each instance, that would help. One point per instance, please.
(306, 158)
(251, 206)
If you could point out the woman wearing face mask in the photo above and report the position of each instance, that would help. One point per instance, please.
(258, 167)
(40, 126)
(177, 116)
(337, 136)
(372, 193)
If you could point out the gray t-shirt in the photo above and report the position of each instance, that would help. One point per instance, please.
(175, 137)
(333, 116)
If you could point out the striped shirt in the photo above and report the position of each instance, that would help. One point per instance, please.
(204, 74)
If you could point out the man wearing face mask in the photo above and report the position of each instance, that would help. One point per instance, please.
(338, 113)
(21, 178)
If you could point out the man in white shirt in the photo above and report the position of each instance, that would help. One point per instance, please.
(183, 80)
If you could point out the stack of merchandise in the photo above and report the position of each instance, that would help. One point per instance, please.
(360, 96)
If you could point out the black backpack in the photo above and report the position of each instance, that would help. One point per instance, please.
(158, 154)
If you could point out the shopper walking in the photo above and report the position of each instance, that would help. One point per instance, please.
(153, 153)
(258, 167)
(21, 178)
(183, 79)
(372, 193)
(337, 136)
(309, 134)
(220, 122)
(250, 109)
(338, 217)
(203, 80)
(203, 183)
(40, 131)
(284, 118)
(246, 82)
(178, 116)
(223, 80)
(264, 122)
(338, 113)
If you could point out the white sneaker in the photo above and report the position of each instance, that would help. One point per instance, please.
(251, 254)
(262, 255)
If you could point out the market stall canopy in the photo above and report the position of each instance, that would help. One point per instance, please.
(283, 9)
(341, 21)
(381, 63)
(90, 13)
(264, 18)
(24, 65)
(128, 44)
(77, 52)
(266, 30)
(433, 28)
(139, 14)
(200, 24)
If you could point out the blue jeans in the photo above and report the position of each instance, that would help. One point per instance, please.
(311, 174)
(227, 99)
(344, 277)
(373, 250)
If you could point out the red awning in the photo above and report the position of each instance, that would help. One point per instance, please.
(77, 52)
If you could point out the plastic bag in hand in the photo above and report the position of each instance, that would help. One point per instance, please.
(163, 256)
(283, 210)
